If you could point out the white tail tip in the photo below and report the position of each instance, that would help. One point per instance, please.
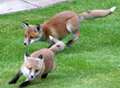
(50, 37)
(55, 40)
(113, 8)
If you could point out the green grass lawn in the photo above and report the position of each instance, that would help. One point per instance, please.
(92, 62)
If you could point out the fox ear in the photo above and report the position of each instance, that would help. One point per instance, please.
(40, 57)
(26, 55)
(25, 25)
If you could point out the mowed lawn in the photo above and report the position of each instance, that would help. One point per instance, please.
(92, 62)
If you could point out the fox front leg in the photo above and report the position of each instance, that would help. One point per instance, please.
(44, 76)
(50, 43)
(24, 84)
(15, 78)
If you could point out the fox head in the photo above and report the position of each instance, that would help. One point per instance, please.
(33, 67)
(32, 33)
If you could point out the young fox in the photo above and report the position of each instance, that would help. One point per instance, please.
(38, 64)
(60, 25)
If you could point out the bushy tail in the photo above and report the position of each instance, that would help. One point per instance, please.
(58, 45)
(96, 13)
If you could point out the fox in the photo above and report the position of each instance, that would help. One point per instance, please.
(62, 24)
(38, 64)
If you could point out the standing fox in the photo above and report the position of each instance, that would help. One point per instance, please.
(39, 63)
(62, 24)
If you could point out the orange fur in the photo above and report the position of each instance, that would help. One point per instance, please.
(66, 22)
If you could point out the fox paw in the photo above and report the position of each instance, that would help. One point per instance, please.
(24, 84)
(11, 82)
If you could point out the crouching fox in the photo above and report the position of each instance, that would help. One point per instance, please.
(38, 64)
(61, 24)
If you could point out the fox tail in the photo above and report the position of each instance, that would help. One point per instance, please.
(91, 14)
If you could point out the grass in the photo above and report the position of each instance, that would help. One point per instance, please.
(93, 62)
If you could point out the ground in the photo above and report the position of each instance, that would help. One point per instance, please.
(8, 6)
(92, 62)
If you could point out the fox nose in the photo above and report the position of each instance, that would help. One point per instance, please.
(25, 43)
(32, 76)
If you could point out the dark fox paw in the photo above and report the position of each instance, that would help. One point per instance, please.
(24, 84)
(11, 82)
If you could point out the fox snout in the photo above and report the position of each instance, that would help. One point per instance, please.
(30, 74)
(31, 77)
(33, 74)
(26, 44)
(27, 41)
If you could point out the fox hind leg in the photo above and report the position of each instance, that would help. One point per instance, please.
(73, 28)
(75, 37)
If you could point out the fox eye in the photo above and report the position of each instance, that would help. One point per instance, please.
(36, 71)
